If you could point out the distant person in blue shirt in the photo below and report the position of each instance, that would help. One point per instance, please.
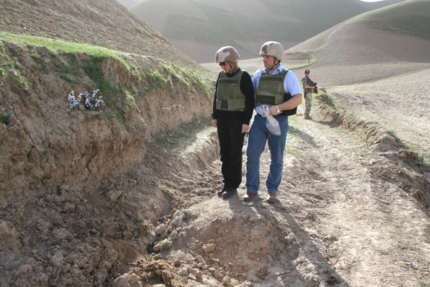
(277, 94)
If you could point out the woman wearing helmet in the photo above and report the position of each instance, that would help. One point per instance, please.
(278, 91)
(232, 110)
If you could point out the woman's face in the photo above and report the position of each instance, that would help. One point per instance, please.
(225, 66)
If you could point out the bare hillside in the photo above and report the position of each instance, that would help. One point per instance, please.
(377, 67)
(128, 3)
(100, 22)
(199, 28)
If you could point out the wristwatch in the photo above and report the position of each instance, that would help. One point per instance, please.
(277, 109)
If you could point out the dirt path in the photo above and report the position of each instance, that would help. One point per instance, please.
(347, 215)
(349, 201)
(344, 218)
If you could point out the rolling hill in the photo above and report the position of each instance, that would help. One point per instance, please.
(101, 22)
(377, 65)
(199, 28)
(128, 3)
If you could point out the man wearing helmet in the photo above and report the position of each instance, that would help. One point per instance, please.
(308, 88)
(279, 91)
(232, 111)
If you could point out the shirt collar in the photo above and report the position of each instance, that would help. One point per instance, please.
(279, 69)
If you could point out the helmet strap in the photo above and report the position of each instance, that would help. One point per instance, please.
(275, 65)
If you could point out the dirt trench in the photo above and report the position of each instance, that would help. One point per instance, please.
(351, 212)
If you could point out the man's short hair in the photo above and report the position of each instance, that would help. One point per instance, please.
(307, 72)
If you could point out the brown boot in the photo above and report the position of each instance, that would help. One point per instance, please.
(306, 116)
(249, 196)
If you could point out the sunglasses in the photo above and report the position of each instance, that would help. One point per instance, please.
(222, 64)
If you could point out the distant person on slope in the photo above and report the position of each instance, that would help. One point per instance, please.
(308, 88)
(277, 91)
(232, 110)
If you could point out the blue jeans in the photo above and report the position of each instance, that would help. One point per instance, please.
(258, 136)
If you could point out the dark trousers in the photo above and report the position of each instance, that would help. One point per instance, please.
(231, 142)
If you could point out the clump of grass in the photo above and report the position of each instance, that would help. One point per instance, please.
(423, 283)
(155, 80)
(142, 223)
(326, 99)
(400, 244)
(294, 151)
(5, 119)
(183, 75)
(3, 73)
(38, 63)
(14, 70)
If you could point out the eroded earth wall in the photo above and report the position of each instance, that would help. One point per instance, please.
(55, 229)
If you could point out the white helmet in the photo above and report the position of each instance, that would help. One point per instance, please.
(272, 48)
(227, 54)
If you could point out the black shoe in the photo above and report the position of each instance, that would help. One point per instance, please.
(229, 192)
(221, 191)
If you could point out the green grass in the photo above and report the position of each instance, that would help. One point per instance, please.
(400, 244)
(45, 153)
(294, 151)
(293, 134)
(15, 68)
(60, 46)
(3, 73)
(143, 223)
(326, 99)
(4, 119)
(423, 283)
(183, 75)
(130, 101)
(38, 62)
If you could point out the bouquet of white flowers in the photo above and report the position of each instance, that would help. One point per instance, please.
(73, 101)
(91, 101)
